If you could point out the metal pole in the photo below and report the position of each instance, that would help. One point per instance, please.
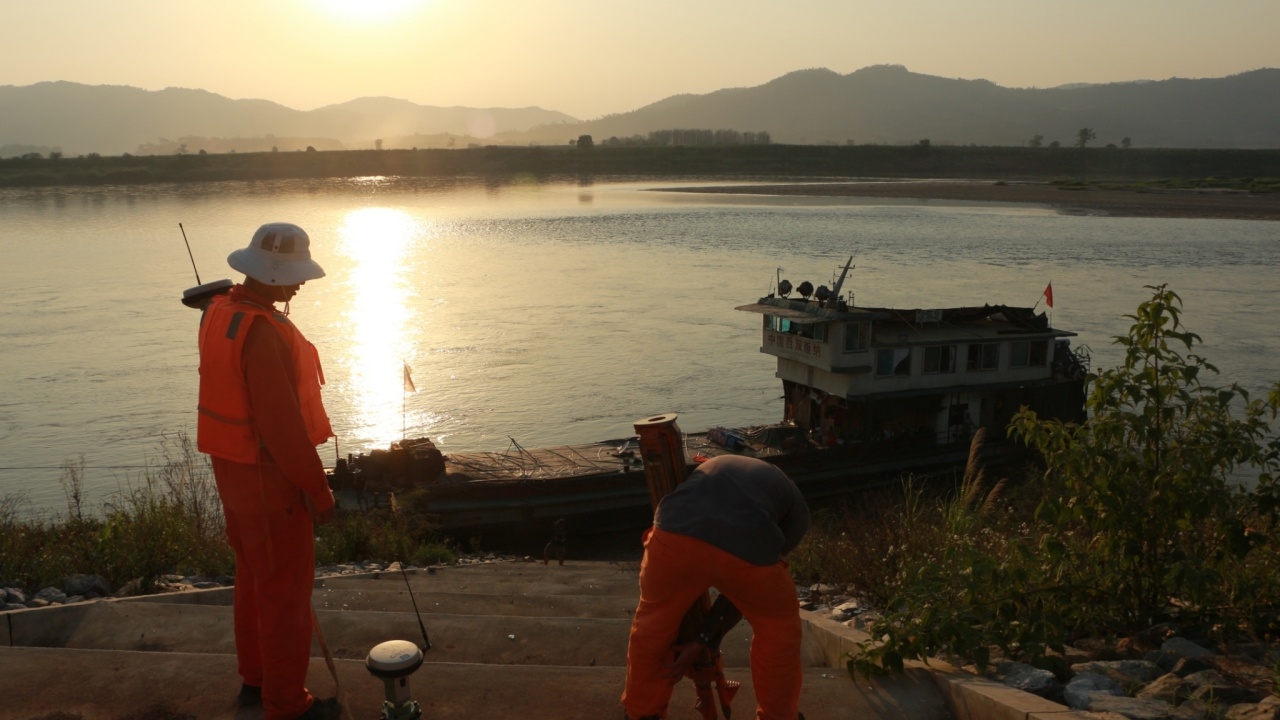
(193, 259)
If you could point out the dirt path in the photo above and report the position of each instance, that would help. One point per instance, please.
(1210, 204)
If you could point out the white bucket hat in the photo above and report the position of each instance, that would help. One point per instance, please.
(278, 254)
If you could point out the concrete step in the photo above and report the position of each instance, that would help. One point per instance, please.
(466, 603)
(495, 640)
(110, 685)
(487, 584)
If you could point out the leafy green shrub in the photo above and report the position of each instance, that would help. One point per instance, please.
(1146, 483)
(1140, 522)
(381, 535)
(169, 522)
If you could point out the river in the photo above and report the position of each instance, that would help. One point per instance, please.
(542, 314)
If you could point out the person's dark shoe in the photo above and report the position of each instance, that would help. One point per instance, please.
(326, 709)
(250, 695)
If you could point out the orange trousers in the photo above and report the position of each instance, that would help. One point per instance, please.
(271, 532)
(677, 569)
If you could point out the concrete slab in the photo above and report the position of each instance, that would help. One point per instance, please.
(489, 584)
(113, 685)
(466, 603)
(48, 626)
(497, 640)
(973, 697)
(571, 568)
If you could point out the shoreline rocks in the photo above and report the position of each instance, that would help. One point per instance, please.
(85, 587)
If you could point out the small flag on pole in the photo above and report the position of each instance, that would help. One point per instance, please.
(408, 379)
(1048, 300)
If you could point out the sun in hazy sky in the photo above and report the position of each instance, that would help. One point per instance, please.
(369, 10)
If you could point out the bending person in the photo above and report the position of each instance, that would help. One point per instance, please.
(728, 526)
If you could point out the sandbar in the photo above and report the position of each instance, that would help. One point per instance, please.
(1117, 202)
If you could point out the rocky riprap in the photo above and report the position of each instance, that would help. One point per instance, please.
(1160, 674)
(84, 588)
(1156, 675)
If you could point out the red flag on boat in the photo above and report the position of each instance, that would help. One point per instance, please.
(408, 379)
(1048, 295)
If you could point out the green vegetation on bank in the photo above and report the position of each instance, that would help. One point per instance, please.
(1136, 521)
(170, 522)
(587, 162)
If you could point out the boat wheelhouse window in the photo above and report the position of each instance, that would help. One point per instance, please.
(940, 359)
(815, 331)
(984, 356)
(893, 362)
(855, 338)
(1031, 353)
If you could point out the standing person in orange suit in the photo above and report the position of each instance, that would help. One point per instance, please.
(260, 418)
(728, 526)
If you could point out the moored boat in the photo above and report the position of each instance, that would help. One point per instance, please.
(870, 394)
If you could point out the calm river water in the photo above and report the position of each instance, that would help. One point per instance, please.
(547, 314)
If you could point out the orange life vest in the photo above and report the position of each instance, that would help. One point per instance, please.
(224, 427)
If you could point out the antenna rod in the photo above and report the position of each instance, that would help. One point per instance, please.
(193, 259)
(426, 642)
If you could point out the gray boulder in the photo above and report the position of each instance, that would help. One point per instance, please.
(1170, 688)
(16, 595)
(52, 595)
(1139, 709)
(86, 585)
(14, 606)
(1129, 673)
(1188, 665)
(1268, 709)
(1085, 685)
(1184, 648)
(129, 589)
(1027, 678)
(1211, 686)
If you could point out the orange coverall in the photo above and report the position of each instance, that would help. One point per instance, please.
(271, 531)
(678, 568)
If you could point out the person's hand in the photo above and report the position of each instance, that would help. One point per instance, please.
(686, 655)
(320, 518)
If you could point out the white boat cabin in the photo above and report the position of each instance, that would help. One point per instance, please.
(856, 375)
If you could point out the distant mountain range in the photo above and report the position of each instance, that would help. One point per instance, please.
(880, 104)
(111, 120)
(889, 104)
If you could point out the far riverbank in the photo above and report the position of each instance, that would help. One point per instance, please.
(1070, 198)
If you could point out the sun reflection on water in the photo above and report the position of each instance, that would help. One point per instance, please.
(377, 323)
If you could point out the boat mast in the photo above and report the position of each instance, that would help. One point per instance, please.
(835, 292)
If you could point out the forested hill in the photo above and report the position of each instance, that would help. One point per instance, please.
(889, 104)
(110, 120)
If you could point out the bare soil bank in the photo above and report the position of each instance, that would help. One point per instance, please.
(1198, 203)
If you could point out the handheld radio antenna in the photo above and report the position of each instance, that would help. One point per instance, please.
(193, 258)
(200, 295)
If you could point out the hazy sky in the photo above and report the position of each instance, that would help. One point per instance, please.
(593, 57)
